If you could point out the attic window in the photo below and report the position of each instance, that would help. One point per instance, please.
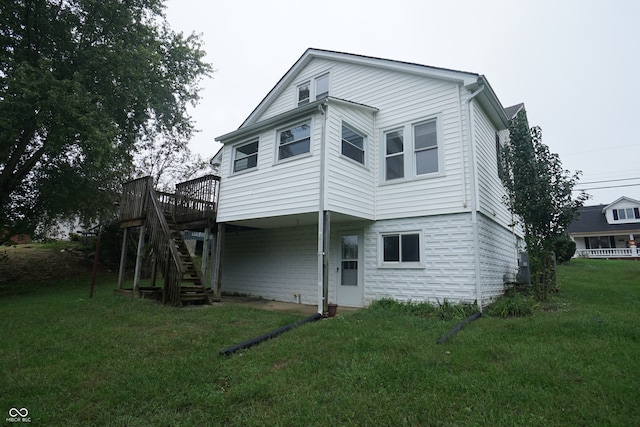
(322, 86)
(626, 214)
(304, 93)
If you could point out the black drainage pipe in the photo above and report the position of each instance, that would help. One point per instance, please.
(458, 327)
(246, 344)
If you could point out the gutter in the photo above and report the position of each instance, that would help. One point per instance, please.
(474, 198)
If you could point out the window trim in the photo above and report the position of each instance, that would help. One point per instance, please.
(321, 95)
(235, 152)
(635, 211)
(437, 147)
(420, 264)
(312, 82)
(307, 100)
(409, 150)
(398, 154)
(364, 144)
(309, 122)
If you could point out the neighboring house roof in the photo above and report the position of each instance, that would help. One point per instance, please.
(513, 110)
(628, 199)
(471, 81)
(593, 220)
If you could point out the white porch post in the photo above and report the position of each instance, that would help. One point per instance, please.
(633, 245)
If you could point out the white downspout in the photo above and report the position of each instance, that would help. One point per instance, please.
(321, 203)
(474, 198)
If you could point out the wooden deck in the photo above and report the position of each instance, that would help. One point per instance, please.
(160, 217)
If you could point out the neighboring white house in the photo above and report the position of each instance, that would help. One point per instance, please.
(607, 231)
(360, 178)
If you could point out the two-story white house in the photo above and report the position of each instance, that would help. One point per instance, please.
(359, 178)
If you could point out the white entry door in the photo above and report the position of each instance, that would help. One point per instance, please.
(350, 288)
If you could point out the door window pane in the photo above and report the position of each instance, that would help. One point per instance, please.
(349, 274)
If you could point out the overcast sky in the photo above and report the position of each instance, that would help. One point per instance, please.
(574, 63)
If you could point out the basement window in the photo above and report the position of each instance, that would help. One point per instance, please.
(401, 249)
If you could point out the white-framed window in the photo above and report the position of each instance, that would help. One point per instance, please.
(401, 249)
(304, 93)
(322, 86)
(352, 144)
(394, 154)
(294, 141)
(425, 143)
(312, 89)
(413, 150)
(245, 156)
(626, 214)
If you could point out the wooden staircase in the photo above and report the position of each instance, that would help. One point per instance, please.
(192, 289)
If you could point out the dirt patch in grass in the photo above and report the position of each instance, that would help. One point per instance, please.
(31, 262)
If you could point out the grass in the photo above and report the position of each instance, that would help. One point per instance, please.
(118, 361)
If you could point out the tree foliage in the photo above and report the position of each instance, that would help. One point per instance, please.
(539, 193)
(82, 83)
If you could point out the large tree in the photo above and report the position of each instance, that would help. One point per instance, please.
(82, 82)
(539, 193)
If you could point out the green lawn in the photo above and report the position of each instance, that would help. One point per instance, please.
(118, 361)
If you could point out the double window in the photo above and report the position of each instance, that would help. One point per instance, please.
(423, 149)
(626, 214)
(352, 144)
(399, 248)
(294, 141)
(320, 89)
(245, 156)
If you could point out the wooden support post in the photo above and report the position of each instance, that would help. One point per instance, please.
(139, 255)
(154, 269)
(217, 278)
(123, 258)
(205, 253)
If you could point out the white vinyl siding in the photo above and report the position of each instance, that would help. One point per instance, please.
(350, 186)
(489, 186)
(402, 99)
(277, 188)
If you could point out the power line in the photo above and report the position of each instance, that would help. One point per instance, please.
(608, 180)
(610, 186)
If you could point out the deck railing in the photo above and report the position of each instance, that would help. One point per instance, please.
(196, 199)
(608, 253)
(133, 203)
(193, 200)
(166, 250)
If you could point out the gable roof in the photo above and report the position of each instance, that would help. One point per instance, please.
(471, 81)
(513, 110)
(593, 220)
(628, 199)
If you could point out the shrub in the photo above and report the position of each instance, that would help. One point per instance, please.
(513, 304)
(564, 248)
